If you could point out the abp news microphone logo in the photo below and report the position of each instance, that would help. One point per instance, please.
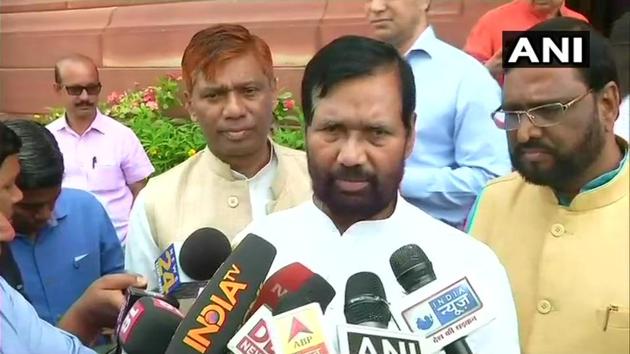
(546, 49)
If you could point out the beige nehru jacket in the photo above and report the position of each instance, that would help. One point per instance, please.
(203, 192)
(568, 265)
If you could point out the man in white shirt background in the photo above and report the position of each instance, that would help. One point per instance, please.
(358, 96)
(620, 39)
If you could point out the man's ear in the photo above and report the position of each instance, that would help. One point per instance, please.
(608, 105)
(57, 87)
(411, 136)
(188, 105)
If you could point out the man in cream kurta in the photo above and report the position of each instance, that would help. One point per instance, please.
(359, 132)
(560, 224)
(305, 234)
(241, 175)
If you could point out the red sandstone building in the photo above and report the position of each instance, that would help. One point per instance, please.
(139, 40)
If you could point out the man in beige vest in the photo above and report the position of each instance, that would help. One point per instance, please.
(560, 224)
(241, 175)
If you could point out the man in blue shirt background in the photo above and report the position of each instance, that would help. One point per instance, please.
(458, 149)
(65, 240)
(21, 330)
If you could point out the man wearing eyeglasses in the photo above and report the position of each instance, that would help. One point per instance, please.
(560, 223)
(101, 155)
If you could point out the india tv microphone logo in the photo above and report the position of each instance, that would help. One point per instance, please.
(546, 49)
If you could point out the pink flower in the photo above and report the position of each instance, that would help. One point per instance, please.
(152, 105)
(149, 94)
(114, 98)
(289, 104)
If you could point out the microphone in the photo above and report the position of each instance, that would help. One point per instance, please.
(315, 290)
(368, 315)
(131, 296)
(255, 335)
(447, 314)
(148, 326)
(287, 279)
(298, 323)
(183, 268)
(366, 302)
(220, 308)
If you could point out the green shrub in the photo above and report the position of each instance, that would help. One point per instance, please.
(169, 141)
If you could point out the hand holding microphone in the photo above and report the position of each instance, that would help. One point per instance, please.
(99, 305)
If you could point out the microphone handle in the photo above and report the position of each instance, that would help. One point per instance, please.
(458, 347)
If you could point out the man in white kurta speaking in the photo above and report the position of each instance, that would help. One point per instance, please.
(358, 96)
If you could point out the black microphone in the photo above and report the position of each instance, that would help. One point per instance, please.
(316, 289)
(366, 302)
(219, 310)
(413, 270)
(148, 326)
(184, 268)
(368, 315)
(132, 295)
(203, 252)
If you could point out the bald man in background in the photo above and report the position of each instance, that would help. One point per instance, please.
(101, 155)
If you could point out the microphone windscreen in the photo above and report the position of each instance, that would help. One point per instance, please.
(412, 267)
(222, 305)
(316, 289)
(365, 300)
(149, 326)
(134, 294)
(287, 279)
(203, 252)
